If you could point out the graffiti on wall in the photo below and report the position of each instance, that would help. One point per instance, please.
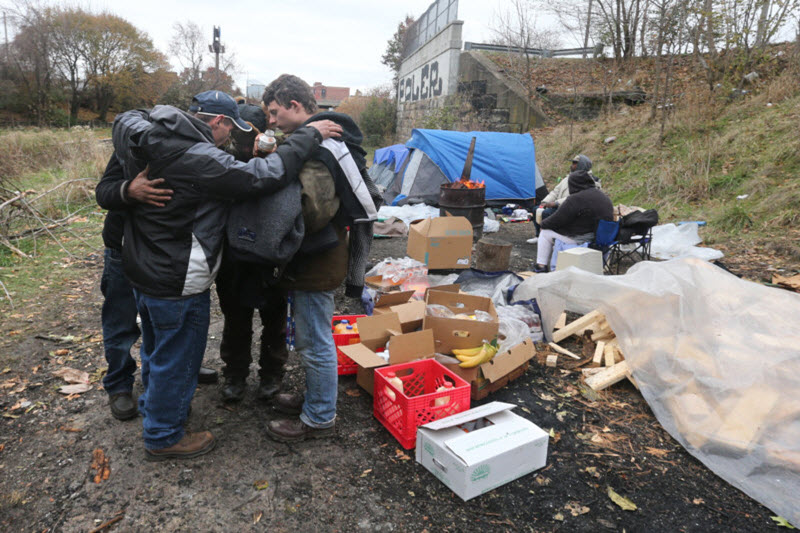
(428, 81)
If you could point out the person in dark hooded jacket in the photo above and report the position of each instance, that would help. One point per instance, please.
(337, 193)
(575, 221)
(171, 254)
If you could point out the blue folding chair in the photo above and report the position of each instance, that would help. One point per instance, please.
(605, 240)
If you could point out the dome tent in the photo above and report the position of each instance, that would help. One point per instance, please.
(506, 162)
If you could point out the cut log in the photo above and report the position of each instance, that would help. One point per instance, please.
(552, 360)
(576, 326)
(561, 322)
(608, 376)
(563, 351)
(598, 353)
(492, 255)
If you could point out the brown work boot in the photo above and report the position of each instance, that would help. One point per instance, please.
(295, 430)
(191, 445)
(289, 403)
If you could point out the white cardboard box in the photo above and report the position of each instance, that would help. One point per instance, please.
(472, 463)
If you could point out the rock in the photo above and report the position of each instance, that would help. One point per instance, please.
(752, 77)
(609, 140)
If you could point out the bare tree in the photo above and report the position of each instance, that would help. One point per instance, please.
(515, 27)
(68, 28)
(188, 47)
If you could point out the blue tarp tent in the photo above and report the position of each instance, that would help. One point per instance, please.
(506, 162)
(387, 163)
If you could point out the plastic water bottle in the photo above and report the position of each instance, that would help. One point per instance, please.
(396, 382)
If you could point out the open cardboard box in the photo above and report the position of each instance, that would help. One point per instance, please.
(441, 243)
(478, 450)
(497, 373)
(411, 313)
(375, 331)
(450, 333)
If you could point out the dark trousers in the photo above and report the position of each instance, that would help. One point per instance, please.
(120, 331)
(236, 300)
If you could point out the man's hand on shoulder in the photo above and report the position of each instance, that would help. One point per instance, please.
(327, 128)
(146, 191)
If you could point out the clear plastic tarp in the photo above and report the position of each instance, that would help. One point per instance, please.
(717, 359)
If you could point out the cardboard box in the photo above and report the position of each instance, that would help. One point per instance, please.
(497, 373)
(411, 313)
(475, 462)
(375, 331)
(452, 333)
(443, 242)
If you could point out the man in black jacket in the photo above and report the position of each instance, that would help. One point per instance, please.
(171, 254)
(575, 222)
(117, 191)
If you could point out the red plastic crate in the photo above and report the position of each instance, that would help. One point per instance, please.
(345, 364)
(415, 406)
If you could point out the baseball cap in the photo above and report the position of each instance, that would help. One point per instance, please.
(218, 103)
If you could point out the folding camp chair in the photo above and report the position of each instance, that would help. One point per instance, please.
(605, 240)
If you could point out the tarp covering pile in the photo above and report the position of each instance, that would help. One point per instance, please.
(717, 359)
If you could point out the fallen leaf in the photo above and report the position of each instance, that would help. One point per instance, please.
(6, 370)
(400, 454)
(526, 410)
(592, 471)
(353, 392)
(658, 452)
(698, 501)
(576, 509)
(60, 353)
(624, 503)
(36, 368)
(782, 522)
(72, 375)
(547, 397)
(96, 338)
(559, 517)
(70, 430)
(261, 484)
(560, 415)
(366, 472)
(411, 493)
(9, 415)
(257, 517)
(543, 481)
(101, 464)
(78, 388)
(2, 447)
(552, 433)
(12, 333)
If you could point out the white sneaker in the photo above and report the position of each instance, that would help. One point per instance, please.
(533, 241)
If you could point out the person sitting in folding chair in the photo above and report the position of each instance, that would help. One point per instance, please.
(576, 220)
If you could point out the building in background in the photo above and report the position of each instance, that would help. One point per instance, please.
(329, 98)
(255, 90)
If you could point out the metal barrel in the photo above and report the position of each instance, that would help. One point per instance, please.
(464, 202)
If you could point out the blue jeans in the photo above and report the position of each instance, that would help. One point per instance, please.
(313, 312)
(119, 325)
(174, 334)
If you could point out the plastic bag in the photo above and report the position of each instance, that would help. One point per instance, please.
(524, 314)
(490, 226)
(671, 241)
(483, 316)
(511, 333)
(438, 310)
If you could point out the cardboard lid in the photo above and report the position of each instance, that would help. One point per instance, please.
(393, 298)
(468, 416)
(503, 363)
(411, 346)
(509, 432)
(455, 287)
(461, 302)
(377, 327)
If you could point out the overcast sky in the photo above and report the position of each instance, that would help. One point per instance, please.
(335, 42)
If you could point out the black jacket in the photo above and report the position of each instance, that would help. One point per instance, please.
(585, 206)
(174, 251)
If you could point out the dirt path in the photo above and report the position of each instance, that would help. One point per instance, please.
(362, 481)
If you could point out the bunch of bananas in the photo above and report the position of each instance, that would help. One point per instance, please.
(473, 357)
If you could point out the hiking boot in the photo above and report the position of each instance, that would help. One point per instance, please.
(207, 375)
(191, 445)
(295, 430)
(234, 389)
(269, 387)
(123, 406)
(289, 403)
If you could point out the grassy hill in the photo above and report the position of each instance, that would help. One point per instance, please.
(713, 150)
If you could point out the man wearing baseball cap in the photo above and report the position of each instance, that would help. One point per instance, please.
(171, 253)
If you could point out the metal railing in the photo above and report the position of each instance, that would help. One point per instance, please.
(595, 51)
